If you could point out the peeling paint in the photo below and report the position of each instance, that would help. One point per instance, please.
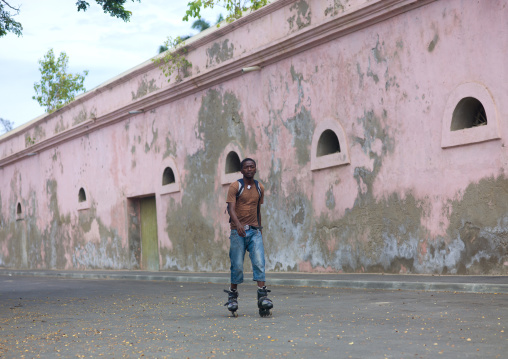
(60, 126)
(170, 147)
(330, 199)
(151, 141)
(301, 15)
(301, 125)
(336, 8)
(81, 117)
(145, 87)
(219, 52)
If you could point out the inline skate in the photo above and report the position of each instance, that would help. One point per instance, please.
(265, 305)
(232, 303)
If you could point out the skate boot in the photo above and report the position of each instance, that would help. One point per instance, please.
(265, 305)
(232, 303)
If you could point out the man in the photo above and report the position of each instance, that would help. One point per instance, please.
(244, 199)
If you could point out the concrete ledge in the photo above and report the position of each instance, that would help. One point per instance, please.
(463, 284)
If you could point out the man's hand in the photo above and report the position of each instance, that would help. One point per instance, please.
(240, 230)
(234, 218)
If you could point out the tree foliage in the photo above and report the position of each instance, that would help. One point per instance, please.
(7, 23)
(5, 125)
(114, 8)
(200, 25)
(234, 8)
(57, 87)
(173, 58)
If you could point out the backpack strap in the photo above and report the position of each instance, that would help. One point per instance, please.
(259, 201)
(258, 188)
(238, 194)
(241, 186)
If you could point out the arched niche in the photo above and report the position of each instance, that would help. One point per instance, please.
(329, 146)
(81, 195)
(169, 177)
(470, 116)
(19, 212)
(229, 163)
(83, 201)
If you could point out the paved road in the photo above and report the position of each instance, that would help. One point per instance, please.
(45, 317)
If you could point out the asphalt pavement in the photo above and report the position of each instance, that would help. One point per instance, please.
(50, 314)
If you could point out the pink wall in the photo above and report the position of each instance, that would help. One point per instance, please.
(405, 194)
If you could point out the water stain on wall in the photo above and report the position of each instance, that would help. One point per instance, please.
(219, 52)
(151, 140)
(480, 221)
(145, 86)
(433, 43)
(337, 7)
(301, 125)
(60, 126)
(64, 242)
(301, 15)
(81, 117)
(191, 231)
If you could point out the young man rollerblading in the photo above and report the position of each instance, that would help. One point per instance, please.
(244, 199)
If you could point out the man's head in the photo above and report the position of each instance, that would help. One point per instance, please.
(248, 168)
(246, 160)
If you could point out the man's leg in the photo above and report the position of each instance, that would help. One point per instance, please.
(257, 257)
(236, 255)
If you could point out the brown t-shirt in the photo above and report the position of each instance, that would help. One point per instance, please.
(247, 204)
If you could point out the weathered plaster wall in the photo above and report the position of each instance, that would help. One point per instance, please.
(403, 204)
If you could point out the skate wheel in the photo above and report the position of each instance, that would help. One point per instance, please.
(265, 312)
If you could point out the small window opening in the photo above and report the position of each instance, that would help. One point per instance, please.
(328, 143)
(168, 176)
(18, 209)
(232, 163)
(468, 113)
(81, 195)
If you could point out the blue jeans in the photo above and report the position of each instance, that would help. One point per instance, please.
(253, 243)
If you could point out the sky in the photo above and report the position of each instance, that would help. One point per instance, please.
(94, 41)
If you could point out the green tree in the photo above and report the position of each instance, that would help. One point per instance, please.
(114, 8)
(5, 125)
(173, 42)
(173, 60)
(200, 24)
(7, 23)
(234, 8)
(57, 87)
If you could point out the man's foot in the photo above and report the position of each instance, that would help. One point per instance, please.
(265, 305)
(232, 303)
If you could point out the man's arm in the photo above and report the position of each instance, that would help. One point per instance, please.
(234, 218)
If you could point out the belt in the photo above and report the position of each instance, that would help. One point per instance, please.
(247, 227)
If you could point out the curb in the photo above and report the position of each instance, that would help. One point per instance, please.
(297, 282)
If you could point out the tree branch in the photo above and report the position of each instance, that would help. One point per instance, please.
(12, 7)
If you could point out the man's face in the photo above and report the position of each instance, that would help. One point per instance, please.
(249, 169)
